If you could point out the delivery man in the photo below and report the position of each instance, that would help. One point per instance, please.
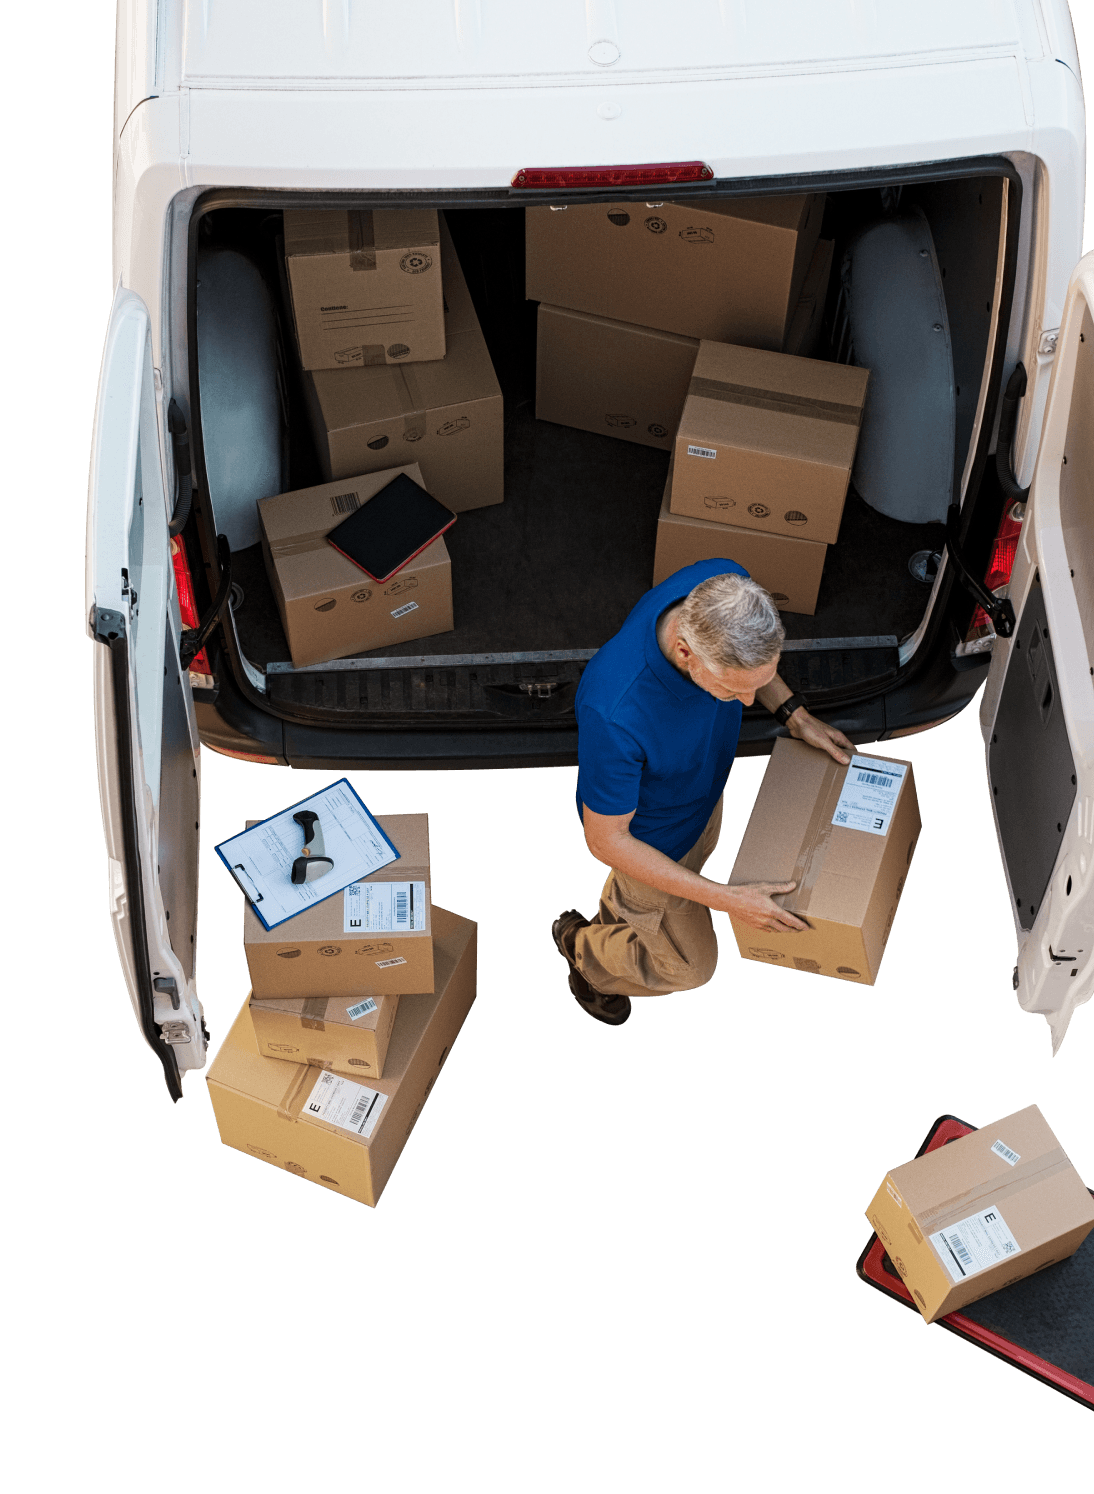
(659, 713)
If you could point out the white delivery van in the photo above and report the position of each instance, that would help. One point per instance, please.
(963, 126)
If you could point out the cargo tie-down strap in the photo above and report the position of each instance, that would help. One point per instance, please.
(1044, 1324)
(777, 400)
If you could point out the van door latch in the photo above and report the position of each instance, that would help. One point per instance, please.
(539, 689)
(175, 1033)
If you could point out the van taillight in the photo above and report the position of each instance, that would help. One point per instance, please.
(663, 174)
(199, 664)
(1000, 563)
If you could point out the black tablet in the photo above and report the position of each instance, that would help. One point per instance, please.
(387, 532)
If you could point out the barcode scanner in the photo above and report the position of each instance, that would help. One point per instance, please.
(313, 862)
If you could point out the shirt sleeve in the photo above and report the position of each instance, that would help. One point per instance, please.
(610, 764)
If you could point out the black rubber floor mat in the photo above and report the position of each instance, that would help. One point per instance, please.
(1043, 1325)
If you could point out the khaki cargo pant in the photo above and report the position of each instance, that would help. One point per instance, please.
(645, 943)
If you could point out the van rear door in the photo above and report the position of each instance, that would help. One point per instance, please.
(1038, 711)
(146, 732)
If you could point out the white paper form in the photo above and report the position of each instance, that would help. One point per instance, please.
(261, 858)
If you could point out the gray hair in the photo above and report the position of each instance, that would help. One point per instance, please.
(731, 623)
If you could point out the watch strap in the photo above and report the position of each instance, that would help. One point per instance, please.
(784, 712)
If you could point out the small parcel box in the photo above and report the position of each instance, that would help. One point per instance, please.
(348, 1034)
(846, 836)
(372, 939)
(332, 1130)
(980, 1213)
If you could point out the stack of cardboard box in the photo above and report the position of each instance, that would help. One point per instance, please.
(691, 327)
(354, 1007)
(397, 379)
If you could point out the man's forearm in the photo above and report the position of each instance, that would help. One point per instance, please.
(774, 693)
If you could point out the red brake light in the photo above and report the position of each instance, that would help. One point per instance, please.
(1001, 561)
(187, 604)
(664, 174)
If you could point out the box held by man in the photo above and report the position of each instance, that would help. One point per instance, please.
(845, 835)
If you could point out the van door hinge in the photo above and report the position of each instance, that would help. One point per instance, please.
(175, 1033)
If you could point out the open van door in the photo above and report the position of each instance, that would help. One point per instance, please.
(1038, 710)
(146, 732)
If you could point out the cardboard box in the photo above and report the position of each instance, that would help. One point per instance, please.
(808, 319)
(262, 1107)
(766, 441)
(330, 607)
(611, 378)
(448, 416)
(366, 286)
(982, 1212)
(730, 269)
(347, 1034)
(845, 835)
(331, 950)
(790, 569)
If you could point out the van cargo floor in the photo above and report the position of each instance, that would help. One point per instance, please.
(562, 561)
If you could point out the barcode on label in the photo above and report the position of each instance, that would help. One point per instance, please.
(404, 609)
(402, 907)
(385, 964)
(344, 503)
(702, 451)
(362, 1009)
(957, 1245)
(879, 780)
(361, 1110)
(1005, 1152)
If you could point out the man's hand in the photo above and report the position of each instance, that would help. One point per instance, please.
(807, 728)
(752, 904)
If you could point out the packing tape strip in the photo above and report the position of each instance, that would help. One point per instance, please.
(292, 1101)
(414, 406)
(362, 240)
(315, 1009)
(814, 847)
(776, 400)
(1036, 1170)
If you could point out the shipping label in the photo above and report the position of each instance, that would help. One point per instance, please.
(383, 907)
(346, 1104)
(702, 451)
(1008, 1156)
(974, 1244)
(869, 794)
(361, 1009)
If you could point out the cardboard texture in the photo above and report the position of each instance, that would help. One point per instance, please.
(790, 569)
(611, 378)
(730, 269)
(321, 1031)
(314, 954)
(767, 441)
(366, 286)
(849, 881)
(259, 1104)
(981, 1212)
(803, 335)
(448, 416)
(329, 607)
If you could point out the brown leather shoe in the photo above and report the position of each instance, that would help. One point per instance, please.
(611, 1009)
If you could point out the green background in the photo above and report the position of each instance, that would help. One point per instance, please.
(607, 1258)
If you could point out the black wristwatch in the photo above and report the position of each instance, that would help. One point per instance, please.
(784, 712)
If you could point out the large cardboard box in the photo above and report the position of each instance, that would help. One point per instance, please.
(790, 569)
(845, 835)
(803, 335)
(291, 1115)
(982, 1212)
(447, 416)
(366, 286)
(348, 1034)
(766, 441)
(372, 939)
(330, 607)
(611, 377)
(730, 269)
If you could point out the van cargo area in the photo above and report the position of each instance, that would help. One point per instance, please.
(557, 566)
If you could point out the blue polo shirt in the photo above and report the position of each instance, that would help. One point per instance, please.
(648, 739)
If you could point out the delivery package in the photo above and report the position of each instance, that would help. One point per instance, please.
(365, 286)
(845, 836)
(612, 378)
(982, 1212)
(329, 607)
(767, 441)
(374, 938)
(349, 1034)
(446, 416)
(729, 268)
(804, 334)
(790, 569)
(326, 1127)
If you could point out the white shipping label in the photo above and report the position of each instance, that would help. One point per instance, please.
(703, 451)
(404, 609)
(362, 1009)
(387, 964)
(1005, 1152)
(383, 908)
(344, 1103)
(869, 795)
(974, 1244)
